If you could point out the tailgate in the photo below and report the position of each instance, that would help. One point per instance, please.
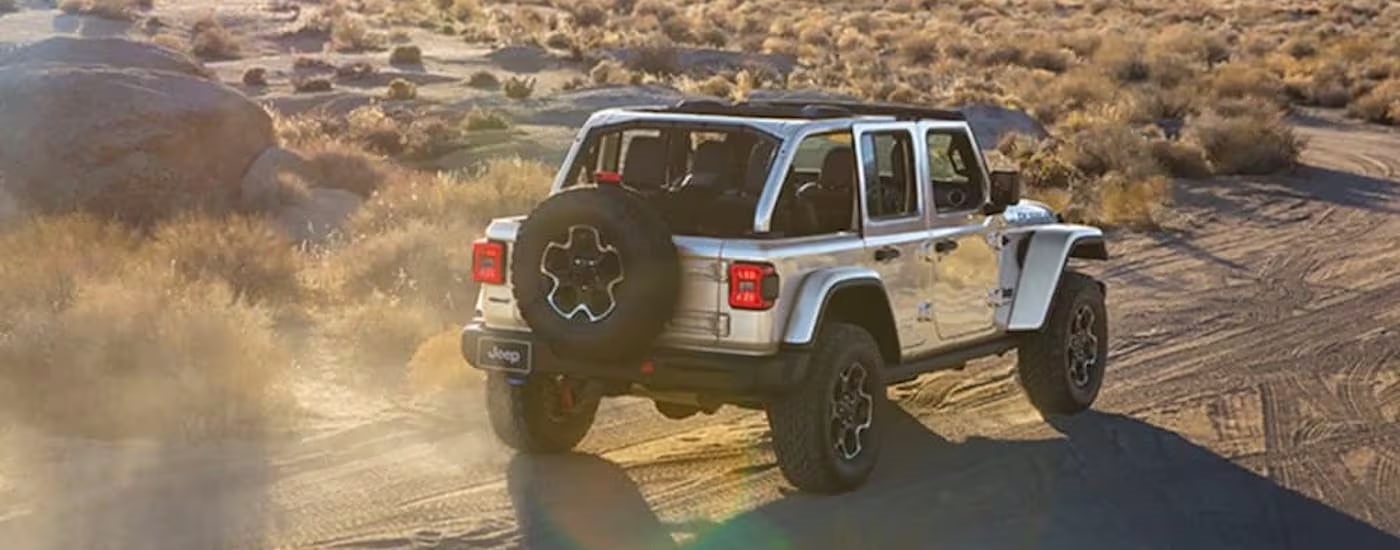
(699, 319)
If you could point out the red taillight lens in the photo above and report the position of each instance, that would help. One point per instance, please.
(752, 286)
(488, 262)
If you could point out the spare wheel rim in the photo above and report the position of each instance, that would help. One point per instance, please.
(583, 274)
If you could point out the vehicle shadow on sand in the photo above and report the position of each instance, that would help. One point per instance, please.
(1110, 482)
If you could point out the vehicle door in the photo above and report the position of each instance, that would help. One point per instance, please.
(965, 242)
(894, 227)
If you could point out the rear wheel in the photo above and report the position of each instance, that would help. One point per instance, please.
(540, 414)
(826, 433)
(1061, 366)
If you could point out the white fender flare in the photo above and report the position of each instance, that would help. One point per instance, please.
(1046, 255)
(812, 297)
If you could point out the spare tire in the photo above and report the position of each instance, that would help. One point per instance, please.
(595, 273)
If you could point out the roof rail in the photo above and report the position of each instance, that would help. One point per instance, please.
(804, 109)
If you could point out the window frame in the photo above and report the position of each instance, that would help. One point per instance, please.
(956, 131)
(865, 157)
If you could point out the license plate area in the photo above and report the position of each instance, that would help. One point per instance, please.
(506, 355)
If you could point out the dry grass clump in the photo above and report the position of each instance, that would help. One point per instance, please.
(406, 55)
(122, 10)
(1246, 142)
(209, 40)
(485, 80)
(103, 338)
(255, 76)
(1381, 104)
(406, 255)
(402, 90)
(251, 256)
(311, 85)
(517, 87)
(486, 119)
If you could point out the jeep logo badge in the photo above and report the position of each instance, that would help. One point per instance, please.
(505, 355)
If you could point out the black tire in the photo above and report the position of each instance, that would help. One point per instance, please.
(640, 277)
(529, 418)
(804, 427)
(1046, 365)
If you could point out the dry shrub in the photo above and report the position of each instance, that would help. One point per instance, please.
(1236, 80)
(486, 119)
(657, 59)
(611, 72)
(350, 33)
(211, 41)
(518, 87)
(310, 85)
(253, 257)
(103, 338)
(8, 6)
(255, 76)
(1101, 146)
(500, 187)
(402, 90)
(1381, 104)
(122, 10)
(1077, 90)
(485, 80)
(1128, 202)
(382, 333)
(919, 47)
(406, 55)
(1123, 59)
(588, 14)
(1249, 143)
(341, 165)
(1180, 159)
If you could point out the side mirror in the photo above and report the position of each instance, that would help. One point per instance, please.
(1005, 191)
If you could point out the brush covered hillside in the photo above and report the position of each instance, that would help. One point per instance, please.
(235, 255)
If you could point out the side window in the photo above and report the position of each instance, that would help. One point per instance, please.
(955, 179)
(890, 189)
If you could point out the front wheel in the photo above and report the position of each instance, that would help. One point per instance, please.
(541, 413)
(826, 432)
(1061, 366)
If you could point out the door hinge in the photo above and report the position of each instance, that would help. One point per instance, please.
(998, 297)
(925, 313)
(997, 240)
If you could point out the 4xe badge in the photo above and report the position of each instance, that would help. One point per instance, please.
(505, 355)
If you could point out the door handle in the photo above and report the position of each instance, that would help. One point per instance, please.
(945, 246)
(886, 254)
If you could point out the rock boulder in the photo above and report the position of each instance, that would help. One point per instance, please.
(134, 142)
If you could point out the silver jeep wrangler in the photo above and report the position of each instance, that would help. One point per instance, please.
(791, 257)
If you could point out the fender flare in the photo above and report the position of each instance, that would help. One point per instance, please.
(1047, 253)
(813, 295)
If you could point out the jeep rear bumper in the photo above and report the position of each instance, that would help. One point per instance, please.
(520, 354)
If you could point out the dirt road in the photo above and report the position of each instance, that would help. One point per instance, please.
(1252, 402)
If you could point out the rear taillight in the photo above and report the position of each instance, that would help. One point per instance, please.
(489, 262)
(752, 286)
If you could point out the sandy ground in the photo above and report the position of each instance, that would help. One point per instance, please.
(1252, 402)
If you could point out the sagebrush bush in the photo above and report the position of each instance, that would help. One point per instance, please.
(1250, 143)
(211, 41)
(101, 336)
(401, 90)
(1381, 104)
(249, 254)
(124, 10)
(519, 87)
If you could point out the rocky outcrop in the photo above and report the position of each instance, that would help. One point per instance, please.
(134, 135)
(104, 52)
